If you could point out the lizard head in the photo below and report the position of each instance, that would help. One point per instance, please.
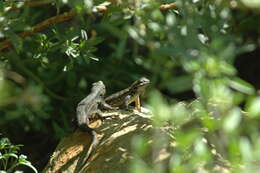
(140, 84)
(99, 87)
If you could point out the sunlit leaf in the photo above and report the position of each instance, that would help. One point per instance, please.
(160, 109)
(22, 161)
(252, 107)
(232, 120)
(245, 149)
(180, 113)
(241, 86)
(252, 3)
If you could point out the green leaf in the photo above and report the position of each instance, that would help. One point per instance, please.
(84, 34)
(200, 147)
(232, 120)
(27, 163)
(252, 3)
(160, 108)
(4, 142)
(8, 155)
(227, 69)
(188, 138)
(252, 107)
(180, 114)
(246, 149)
(22, 158)
(242, 86)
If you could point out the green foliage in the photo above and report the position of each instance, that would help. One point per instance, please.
(192, 48)
(9, 158)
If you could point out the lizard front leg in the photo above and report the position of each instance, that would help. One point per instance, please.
(106, 106)
(137, 103)
(129, 99)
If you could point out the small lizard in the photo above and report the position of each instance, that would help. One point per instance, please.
(131, 94)
(88, 108)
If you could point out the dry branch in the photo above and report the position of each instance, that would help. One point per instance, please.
(114, 151)
(39, 27)
(60, 18)
(46, 23)
(168, 6)
(115, 144)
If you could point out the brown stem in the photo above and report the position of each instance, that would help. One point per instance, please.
(60, 18)
(168, 6)
(39, 27)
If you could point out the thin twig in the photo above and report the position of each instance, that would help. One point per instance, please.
(39, 27)
(168, 6)
(60, 18)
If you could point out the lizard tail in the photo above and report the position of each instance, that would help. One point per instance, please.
(91, 148)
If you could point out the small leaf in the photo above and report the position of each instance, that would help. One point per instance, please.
(18, 171)
(231, 122)
(242, 86)
(27, 163)
(170, 19)
(227, 68)
(22, 157)
(180, 114)
(200, 147)
(160, 108)
(4, 142)
(94, 58)
(8, 155)
(84, 34)
(245, 149)
(251, 3)
(252, 107)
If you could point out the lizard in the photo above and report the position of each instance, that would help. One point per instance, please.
(87, 109)
(131, 94)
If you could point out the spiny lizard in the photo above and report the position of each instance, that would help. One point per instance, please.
(131, 94)
(88, 108)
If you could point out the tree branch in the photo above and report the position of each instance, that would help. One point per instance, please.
(114, 135)
(60, 18)
(168, 6)
(39, 27)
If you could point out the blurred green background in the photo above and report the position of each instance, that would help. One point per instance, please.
(201, 56)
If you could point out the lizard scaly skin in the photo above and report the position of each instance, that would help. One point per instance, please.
(86, 109)
(131, 94)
